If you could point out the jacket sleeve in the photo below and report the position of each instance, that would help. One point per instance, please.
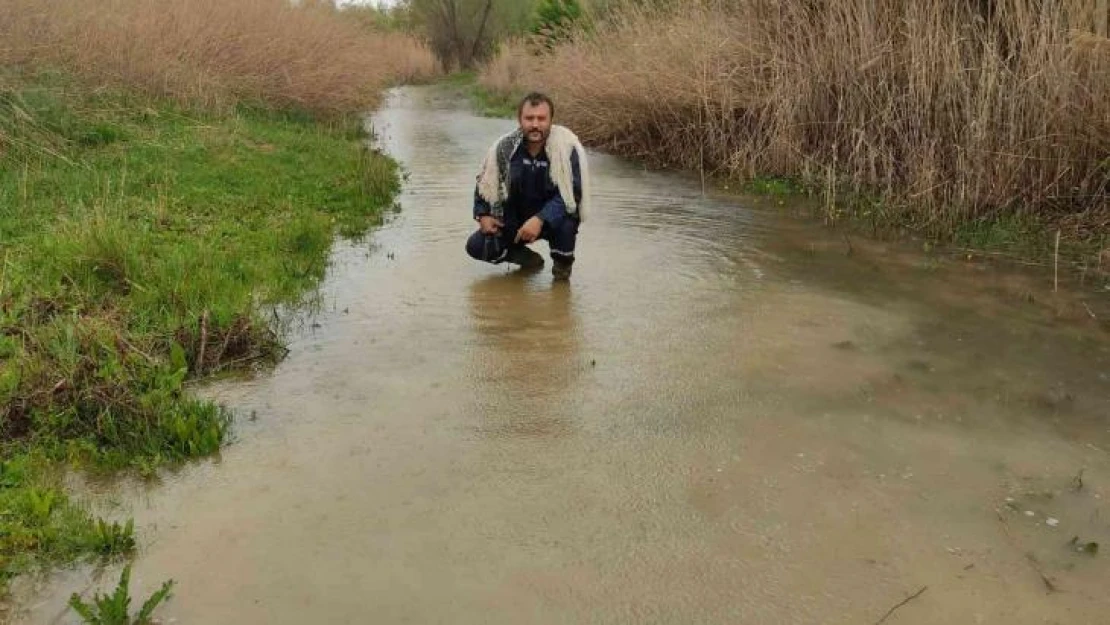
(481, 207)
(555, 210)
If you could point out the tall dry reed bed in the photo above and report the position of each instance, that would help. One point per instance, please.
(942, 114)
(214, 52)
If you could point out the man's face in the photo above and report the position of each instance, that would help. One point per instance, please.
(535, 121)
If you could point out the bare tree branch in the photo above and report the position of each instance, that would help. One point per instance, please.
(478, 37)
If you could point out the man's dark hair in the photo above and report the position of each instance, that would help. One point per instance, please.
(535, 99)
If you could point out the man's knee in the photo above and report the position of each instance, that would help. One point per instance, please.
(568, 227)
(486, 248)
(563, 238)
(475, 246)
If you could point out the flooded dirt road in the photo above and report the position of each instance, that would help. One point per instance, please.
(726, 417)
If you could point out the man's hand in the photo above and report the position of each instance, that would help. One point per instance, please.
(530, 231)
(487, 224)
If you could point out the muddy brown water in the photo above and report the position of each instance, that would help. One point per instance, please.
(726, 417)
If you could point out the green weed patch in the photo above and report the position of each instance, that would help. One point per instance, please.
(141, 246)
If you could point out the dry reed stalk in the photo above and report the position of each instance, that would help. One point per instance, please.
(199, 369)
(1056, 265)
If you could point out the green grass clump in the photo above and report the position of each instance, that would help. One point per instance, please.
(489, 103)
(773, 186)
(115, 609)
(40, 523)
(484, 101)
(140, 246)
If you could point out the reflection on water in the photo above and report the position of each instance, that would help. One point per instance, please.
(528, 360)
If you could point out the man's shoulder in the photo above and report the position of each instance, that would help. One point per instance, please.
(507, 139)
(563, 133)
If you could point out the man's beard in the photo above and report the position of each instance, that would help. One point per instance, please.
(536, 136)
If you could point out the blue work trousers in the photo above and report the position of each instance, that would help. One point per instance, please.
(495, 248)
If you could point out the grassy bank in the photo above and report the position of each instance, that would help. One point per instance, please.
(170, 170)
(978, 123)
(142, 245)
(484, 100)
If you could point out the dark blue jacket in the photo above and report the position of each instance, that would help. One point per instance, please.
(531, 190)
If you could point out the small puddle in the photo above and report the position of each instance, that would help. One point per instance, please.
(724, 418)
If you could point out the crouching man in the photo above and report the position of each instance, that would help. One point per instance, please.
(532, 185)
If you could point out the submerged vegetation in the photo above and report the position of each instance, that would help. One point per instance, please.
(115, 609)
